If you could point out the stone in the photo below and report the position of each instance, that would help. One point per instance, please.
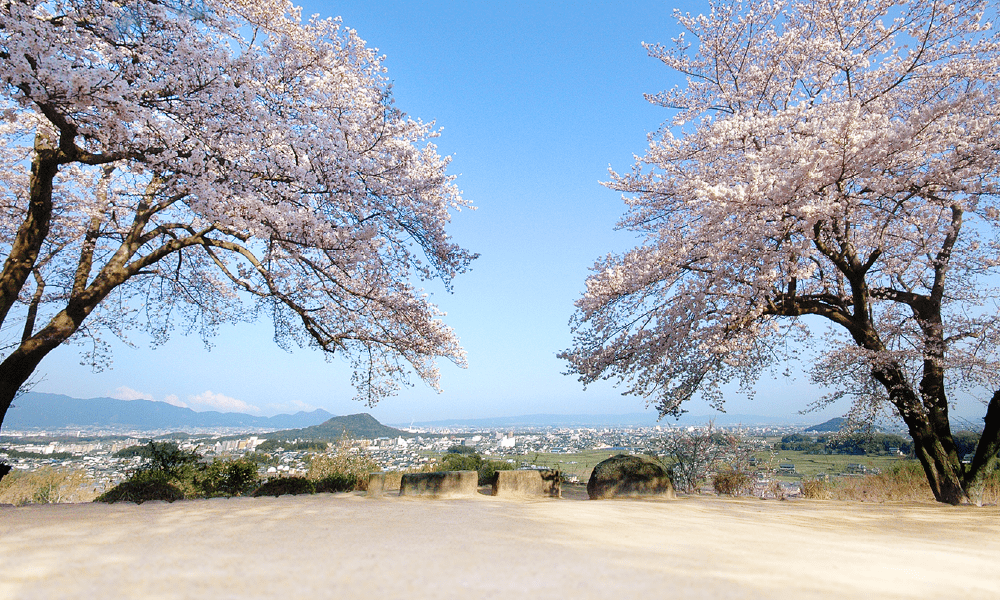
(629, 476)
(440, 484)
(380, 483)
(532, 482)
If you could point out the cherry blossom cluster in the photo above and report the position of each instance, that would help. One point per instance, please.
(216, 160)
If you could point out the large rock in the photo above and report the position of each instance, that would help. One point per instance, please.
(440, 484)
(385, 481)
(629, 476)
(533, 482)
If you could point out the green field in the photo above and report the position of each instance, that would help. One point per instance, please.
(579, 464)
(811, 465)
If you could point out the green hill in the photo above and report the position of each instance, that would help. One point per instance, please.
(833, 425)
(359, 426)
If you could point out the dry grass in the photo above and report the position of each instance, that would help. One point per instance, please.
(904, 482)
(47, 485)
(343, 462)
(732, 483)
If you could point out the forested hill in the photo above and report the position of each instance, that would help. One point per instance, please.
(35, 410)
(359, 426)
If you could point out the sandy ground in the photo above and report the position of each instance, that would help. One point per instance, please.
(346, 545)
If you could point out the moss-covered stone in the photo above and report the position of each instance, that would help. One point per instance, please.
(625, 475)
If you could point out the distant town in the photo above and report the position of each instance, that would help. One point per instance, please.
(102, 452)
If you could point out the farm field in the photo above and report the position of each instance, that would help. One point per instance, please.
(579, 463)
(811, 465)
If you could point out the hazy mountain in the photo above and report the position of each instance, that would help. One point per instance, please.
(645, 419)
(35, 410)
(359, 426)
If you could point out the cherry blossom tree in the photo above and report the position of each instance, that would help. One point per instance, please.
(194, 162)
(827, 189)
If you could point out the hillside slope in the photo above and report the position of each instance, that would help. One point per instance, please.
(359, 426)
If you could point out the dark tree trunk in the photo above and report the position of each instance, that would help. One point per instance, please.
(32, 232)
(944, 474)
(928, 425)
(17, 368)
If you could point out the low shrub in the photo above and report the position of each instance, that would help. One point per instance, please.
(731, 482)
(142, 487)
(487, 469)
(286, 485)
(337, 482)
(228, 478)
(167, 469)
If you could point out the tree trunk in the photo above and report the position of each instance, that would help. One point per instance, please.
(928, 426)
(986, 451)
(17, 368)
(33, 231)
(943, 473)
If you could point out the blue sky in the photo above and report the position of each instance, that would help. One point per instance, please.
(536, 100)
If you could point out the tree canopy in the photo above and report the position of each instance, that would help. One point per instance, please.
(828, 185)
(195, 162)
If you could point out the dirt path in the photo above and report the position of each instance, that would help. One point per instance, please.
(336, 546)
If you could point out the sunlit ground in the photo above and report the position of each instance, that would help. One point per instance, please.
(346, 545)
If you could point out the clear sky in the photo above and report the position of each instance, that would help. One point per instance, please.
(535, 101)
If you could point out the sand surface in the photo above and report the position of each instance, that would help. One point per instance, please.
(346, 545)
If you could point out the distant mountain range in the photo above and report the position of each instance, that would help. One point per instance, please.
(35, 410)
(645, 419)
(359, 426)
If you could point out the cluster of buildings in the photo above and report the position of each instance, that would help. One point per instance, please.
(100, 459)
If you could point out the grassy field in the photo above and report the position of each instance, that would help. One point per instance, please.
(579, 464)
(811, 465)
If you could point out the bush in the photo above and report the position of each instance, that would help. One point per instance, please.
(337, 482)
(344, 470)
(142, 487)
(473, 462)
(165, 464)
(286, 485)
(732, 482)
(228, 478)
(487, 471)
(162, 456)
